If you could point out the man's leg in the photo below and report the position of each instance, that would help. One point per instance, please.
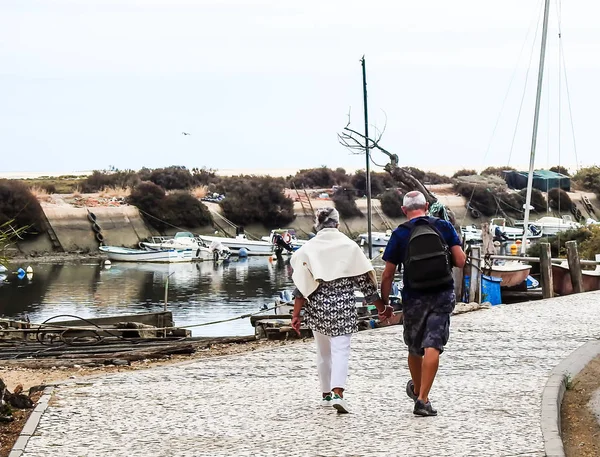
(323, 343)
(431, 361)
(415, 367)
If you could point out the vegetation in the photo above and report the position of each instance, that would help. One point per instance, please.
(19, 206)
(559, 199)
(257, 199)
(588, 179)
(391, 203)
(163, 211)
(560, 169)
(379, 182)
(56, 185)
(344, 202)
(464, 172)
(101, 180)
(498, 171)
(8, 233)
(588, 242)
(538, 201)
(317, 178)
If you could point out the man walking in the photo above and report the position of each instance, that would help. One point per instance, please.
(427, 248)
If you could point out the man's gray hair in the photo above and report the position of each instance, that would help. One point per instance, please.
(327, 218)
(414, 200)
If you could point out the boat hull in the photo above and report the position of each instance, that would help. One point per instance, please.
(137, 255)
(235, 244)
(511, 276)
(198, 253)
(561, 279)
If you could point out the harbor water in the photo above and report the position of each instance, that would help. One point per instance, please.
(197, 293)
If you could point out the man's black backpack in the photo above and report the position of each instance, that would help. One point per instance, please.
(427, 262)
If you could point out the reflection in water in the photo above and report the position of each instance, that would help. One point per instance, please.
(198, 292)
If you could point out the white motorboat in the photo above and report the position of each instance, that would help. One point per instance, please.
(240, 241)
(512, 272)
(471, 234)
(549, 226)
(120, 254)
(513, 233)
(379, 239)
(182, 241)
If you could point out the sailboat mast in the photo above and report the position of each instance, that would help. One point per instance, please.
(535, 125)
(368, 158)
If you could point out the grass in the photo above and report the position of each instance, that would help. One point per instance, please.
(41, 194)
(115, 192)
(58, 185)
(569, 382)
(199, 192)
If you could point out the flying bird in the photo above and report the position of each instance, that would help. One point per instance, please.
(185, 133)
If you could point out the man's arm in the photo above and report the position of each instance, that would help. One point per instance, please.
(458, 257)
(387, 278)
(452, 239)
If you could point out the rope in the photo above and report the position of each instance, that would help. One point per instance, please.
(96, 327)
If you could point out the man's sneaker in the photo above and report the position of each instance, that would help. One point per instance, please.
(424, 409)
(410, 390)
(327, 401)
(339, 404)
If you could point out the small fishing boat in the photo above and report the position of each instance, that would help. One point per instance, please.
(512, 272)
(182, 241)
(514, 233)
(120, 254)
(549, 226)
(241, 242)
(561, 278)
(471, 234)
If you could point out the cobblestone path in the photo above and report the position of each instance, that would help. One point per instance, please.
(488, 394)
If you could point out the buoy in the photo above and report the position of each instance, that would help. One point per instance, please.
(380, 249)
(20, 273)
(513, 249)
(107, 262)
(29, 269)
(30, 276)
(3, 269)
(243, 252)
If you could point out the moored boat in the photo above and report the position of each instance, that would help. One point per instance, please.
(240, 241)
(379, 239)
(561, 278)
(184, 241)
(511, 272)
(120, 254)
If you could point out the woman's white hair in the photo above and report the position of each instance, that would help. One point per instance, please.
(414, 200)
(327, 218)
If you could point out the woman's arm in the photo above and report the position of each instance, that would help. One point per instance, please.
(299, 302)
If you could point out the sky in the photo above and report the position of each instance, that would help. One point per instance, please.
(88, 84)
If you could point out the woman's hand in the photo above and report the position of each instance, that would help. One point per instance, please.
(296, 322)
(387, 312)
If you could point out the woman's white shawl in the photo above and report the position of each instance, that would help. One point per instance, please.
(329, 255)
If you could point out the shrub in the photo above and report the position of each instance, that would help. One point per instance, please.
(344, 202)
(19, 206)
(434, 178)
(183, 210)
(464, 172)
(391, 203)
(498, 171)
(204, 176)
(359, 182)
(100, 180)
(257, 199)
(588, 179)
(560, 169)
(581, 235)
(559, 199)
(162, 211)
(172, 178)
(538, 201)
(321, 177)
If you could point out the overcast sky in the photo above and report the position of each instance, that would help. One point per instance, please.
(85, 84)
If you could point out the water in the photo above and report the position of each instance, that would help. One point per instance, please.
(198, 292)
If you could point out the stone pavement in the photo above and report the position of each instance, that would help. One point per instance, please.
(488, 394)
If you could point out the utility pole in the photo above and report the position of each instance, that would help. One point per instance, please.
(368, 159)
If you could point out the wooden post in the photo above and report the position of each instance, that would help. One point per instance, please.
(475, 285)
(546, 270)
(574, 266)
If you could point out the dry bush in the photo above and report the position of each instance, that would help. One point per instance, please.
(199, 191)
(115, 192)
(41, 194)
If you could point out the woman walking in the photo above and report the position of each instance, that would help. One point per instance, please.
(327, 270)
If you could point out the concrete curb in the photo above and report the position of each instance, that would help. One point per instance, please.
(554, 391)
(32, 423)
